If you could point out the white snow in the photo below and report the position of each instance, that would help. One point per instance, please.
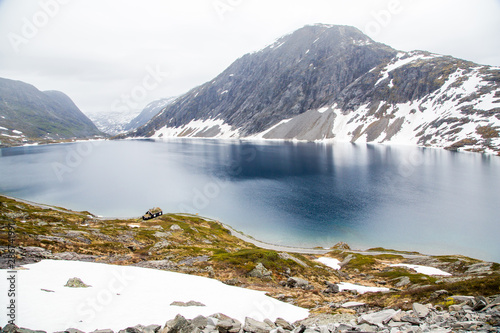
(261, 134)
(399, 62)
(424, 269)
(352, 304)
(3, 128)
(224, 92)
(123, 296)
(196, 127)
(359, 288)
(17, 132)
(330, 262)
(361, 42)
(276, 44)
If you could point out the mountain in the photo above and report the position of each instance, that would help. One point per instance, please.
(328, 82)
(26, 112)
(113, 122)
(151, 110)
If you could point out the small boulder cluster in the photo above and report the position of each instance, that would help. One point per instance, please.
(469, 314)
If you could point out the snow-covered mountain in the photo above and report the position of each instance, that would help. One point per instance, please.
(112, 122)
(117, 122)
(334, 83)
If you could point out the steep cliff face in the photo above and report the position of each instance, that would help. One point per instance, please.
(335, 83)
(299, 72)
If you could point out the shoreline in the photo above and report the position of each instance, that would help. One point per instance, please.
(340, 282)
(234, 232)
(242, 236)
(256, 140)
(259, 140)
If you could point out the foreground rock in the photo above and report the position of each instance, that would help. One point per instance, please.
(423, 318)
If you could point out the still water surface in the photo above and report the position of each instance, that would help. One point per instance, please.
(299, 194)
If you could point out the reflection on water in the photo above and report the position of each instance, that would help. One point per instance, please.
(305, 194)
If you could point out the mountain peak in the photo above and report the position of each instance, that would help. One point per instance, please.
(300, 71)
(321, 35)
(372, 92)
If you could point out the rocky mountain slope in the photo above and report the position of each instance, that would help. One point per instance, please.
(26, 113)
(335, 83)
(151, 110)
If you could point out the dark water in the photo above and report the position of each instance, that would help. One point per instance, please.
(302, 194)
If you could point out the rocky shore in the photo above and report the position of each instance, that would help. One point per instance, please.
(470, 314)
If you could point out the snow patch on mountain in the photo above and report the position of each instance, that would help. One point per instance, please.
(112, 122)
(452, 116)
(401, 60)
(199, 128)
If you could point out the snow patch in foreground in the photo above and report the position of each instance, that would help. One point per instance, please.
(330, 262)
(124, 296)
(424, 269)
(359, 288)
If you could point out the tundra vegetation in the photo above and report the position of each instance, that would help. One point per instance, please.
(200, 246)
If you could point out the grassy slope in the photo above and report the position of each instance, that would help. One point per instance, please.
(204, 247)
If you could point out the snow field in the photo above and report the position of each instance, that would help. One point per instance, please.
(424, 269)
(335, 264)
(123, 296)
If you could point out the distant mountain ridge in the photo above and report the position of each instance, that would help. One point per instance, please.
(328, 82)
(119, 122)
(26, 112)
(113, 122)
(151, 110)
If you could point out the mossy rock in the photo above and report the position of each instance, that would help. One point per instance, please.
(76, 283)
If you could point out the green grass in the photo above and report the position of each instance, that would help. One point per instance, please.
(246, 259)
(381, 249)
(486, 286)
(360, 262)
(415, 278)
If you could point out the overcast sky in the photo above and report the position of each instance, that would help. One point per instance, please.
(110, 55)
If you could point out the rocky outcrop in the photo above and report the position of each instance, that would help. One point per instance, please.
(296, 282)
(76, 283)
(260, 272)
(186, 304)
(423, 318)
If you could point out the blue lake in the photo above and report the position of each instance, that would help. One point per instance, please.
(299, 194)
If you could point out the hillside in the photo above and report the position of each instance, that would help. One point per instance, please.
(334, 83)
(326, 284)
(27, 113)
(151, 110)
